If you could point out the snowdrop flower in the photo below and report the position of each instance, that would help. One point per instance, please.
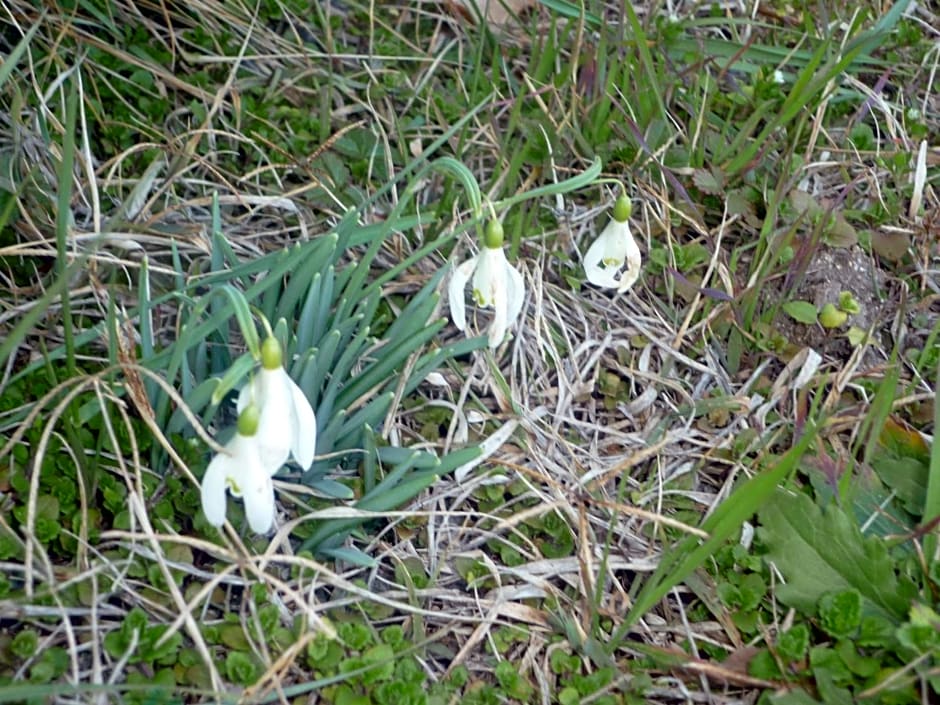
(286, 424)
(496, 284)
(614, 251)
(240, 471)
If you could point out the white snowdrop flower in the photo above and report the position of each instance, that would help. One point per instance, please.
(613, 259)
(920, 180)
(240, 470)
(496, 284)
(287, 425)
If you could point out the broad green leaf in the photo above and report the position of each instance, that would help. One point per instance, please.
(819, 552)
(373, 414)
(573, 11)
(370, 465)
(906, 476)
(390, 357)
(418, 458)
(197, 399)
(330, 488)
(801, 311)
(350, 555)
(457, 458)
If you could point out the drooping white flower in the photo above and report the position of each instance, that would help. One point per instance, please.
(496, 284)
(240, 470)
(287, 425)
(613, 259)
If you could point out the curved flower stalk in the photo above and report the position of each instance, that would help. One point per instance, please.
(496, 284)
(240, 470)
(613, 259)
(287, 425)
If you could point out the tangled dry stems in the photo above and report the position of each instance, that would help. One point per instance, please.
(572, 453)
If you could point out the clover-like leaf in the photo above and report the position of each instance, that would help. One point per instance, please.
(840, 613)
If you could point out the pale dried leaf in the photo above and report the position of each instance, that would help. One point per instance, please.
(496, 12)
(920, 178)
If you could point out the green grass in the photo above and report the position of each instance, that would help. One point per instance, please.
(634, 497)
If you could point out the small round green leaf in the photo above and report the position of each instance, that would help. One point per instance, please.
(801, 311)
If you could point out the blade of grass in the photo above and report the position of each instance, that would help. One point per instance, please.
(63, 216)
(812, 82)
(932, 498)
(13, 58)
(642, 45)
(572, 11)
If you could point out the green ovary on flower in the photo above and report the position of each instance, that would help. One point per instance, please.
(271, 355)
(493, 235)
(622, 209)
(248, 420)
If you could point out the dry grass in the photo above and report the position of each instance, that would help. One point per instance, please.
(626, 471)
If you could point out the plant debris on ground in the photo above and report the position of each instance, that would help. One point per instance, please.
(720, 485)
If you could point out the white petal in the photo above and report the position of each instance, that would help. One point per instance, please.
(616, 238)
(238, 462)
(456, 291)
(920, 179)
(596, 272)
(491, 286)
(275, 431)
(213, 489)
(247, 477)
(632, 267)
(258, 495)
(489, 279)
(240, 470)
(304, 445)
(498, 326)
(515, 292)
(613, 250)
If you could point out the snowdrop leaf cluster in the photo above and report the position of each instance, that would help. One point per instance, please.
(275, 422)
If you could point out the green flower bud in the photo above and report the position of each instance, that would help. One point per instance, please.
(493, 235)
(831, 317)
(848, 303)
(622, 209)
(271, 355)
(248, 420)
